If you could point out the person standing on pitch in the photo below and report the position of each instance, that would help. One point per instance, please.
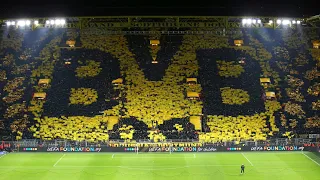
(242, 169)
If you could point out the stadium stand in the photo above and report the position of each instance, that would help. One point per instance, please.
(205, 87)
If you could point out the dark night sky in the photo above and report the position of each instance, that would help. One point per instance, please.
(32, 8)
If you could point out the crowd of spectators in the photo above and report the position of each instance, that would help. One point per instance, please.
(152, 103)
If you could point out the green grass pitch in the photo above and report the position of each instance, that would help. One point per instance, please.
(156, 166)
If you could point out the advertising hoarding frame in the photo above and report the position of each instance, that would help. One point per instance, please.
(193, 149)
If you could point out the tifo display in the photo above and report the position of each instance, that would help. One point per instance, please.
(159, 98)
(203, 87)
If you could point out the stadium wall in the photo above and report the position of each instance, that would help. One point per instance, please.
(167, 149)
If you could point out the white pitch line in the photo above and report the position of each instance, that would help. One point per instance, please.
(311, 159)
(132, 157)
(2, 156)
(59, 160)
(133, 167)
(247, 159)
(112, 155)
(130, 167)
(146, 168)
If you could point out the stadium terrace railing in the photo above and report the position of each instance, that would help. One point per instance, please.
(177, 142)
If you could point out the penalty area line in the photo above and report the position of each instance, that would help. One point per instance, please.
(247, 159)
(112, 155)
(59, 160)
(311, 159)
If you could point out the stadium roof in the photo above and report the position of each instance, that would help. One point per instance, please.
(13, 9)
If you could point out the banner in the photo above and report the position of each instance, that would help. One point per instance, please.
(312, 136)
(30, 149)
(73, 149)
(311, 145)
(4, 145)
(207, 149)
(277, 148)
(173, 149)
(179, 149)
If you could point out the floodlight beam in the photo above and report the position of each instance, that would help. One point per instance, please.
(285, 22)
(279, 21)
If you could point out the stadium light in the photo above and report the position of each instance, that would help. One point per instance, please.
(52, 22)
(279, 21)
(47, 22)
(36, 23)
(8, 23)
(57, 21)
(13, 23)
(270, 21)
(298, 22)
(63, 22)
(285, 22)
(249, 21)
(244, 21)
(21, 23)
(28, 22)
(254, 21)
(259, 21)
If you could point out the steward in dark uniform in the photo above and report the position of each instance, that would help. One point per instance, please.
(242, 169)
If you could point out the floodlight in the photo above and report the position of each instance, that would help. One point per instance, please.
(47, 22)
(285, 22)
(28, 22)
(278, 21)
(298, 22)
(63, 21)
(244, 21)
(270, 21)
(57, 21)
(254, 21)
(249, 21)
(52, 22)
(13, 23)
(21, 23)
(36, 22)
(8, 23)
(259, 21)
